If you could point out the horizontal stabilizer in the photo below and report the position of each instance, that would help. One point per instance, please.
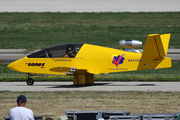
(156, 46)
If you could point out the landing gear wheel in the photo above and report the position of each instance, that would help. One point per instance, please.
(30, 81)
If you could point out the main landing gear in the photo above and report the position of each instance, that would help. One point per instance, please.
(29, 81)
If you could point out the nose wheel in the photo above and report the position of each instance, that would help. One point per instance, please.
(30, 81)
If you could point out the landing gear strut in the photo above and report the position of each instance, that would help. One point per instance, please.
(29, 81)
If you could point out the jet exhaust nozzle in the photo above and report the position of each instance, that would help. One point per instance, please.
(129, 44)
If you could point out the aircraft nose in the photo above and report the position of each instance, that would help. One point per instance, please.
(17, 65)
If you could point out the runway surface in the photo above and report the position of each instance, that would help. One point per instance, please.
(89, 5)
(97, 86)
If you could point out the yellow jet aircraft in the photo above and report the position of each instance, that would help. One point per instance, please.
(84, 60)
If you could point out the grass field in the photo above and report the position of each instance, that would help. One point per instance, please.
(167, 74)
(41, 30)
(55, 104)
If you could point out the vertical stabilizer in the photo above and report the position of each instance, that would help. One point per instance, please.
(154, 52)
(156, 46)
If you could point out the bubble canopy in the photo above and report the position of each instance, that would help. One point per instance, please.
(60, 51)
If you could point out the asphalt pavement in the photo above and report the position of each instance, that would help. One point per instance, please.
(97, 86)
(89, 5)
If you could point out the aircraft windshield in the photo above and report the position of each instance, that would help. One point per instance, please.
(61, 51)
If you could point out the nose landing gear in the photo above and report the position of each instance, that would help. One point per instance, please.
(29, 81)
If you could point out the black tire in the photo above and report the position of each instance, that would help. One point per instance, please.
(30, 81)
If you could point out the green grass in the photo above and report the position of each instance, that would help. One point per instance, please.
(41, 30)
(55, 103)
(167, 74)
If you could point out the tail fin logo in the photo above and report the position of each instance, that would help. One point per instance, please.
(117, 59)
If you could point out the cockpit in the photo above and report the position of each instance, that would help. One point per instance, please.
(60, 51)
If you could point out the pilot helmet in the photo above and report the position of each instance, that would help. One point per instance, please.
(69, 48)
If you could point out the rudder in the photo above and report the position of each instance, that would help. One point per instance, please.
(156, 46)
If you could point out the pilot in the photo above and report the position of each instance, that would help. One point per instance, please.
(69, 51)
